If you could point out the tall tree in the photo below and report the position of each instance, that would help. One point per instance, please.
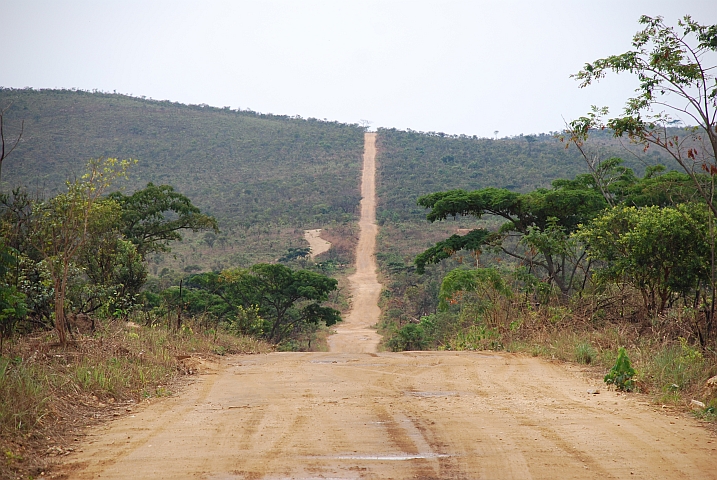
(676, 72)
(285, 300)
(62, 224)
(542, 218)
(675, 67)
(152, 217)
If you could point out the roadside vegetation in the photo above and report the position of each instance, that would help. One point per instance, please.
(594, 245)
(613, 268)
(50, 393)
(82, 326)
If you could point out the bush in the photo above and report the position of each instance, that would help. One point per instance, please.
(621, 373)
(409, 337)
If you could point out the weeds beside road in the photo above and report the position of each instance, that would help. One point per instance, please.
(48, 394)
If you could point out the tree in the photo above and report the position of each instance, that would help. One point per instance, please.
(675, 68)
(115, 270)
(61, 225)
(12, 302)
(487, 282)
(663, 252)
(556, 212)
(676, 71)
(153, 216)
(285, 300)
(545, 218)
(473, 241)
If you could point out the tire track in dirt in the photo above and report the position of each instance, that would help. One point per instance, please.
(442, 415)
(113, 449)
(354, 334)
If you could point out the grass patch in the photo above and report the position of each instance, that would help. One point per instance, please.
(585, 353)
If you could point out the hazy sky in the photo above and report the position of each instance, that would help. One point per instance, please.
(468, 67)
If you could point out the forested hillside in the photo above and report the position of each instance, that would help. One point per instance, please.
(242, 167)
(412, 164)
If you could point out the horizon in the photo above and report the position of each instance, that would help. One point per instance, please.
(459, 67)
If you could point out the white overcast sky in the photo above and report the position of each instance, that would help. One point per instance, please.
(468, 67)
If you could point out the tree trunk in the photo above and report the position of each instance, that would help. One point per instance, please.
(60, 320)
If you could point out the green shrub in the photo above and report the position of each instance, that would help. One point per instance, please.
(408, 337)
(621, 373)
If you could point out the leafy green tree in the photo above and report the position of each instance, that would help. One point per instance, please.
(676, 72)
(663, 252)
(487, 282)
(473, 241)
(544, 219)
(558, 209)
(61, 227)
(409, 337)
(114, 265)
(152, 217)
(282, 300)
(675, 68)
(13, 304)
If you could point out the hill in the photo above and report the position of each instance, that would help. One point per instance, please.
(268, 177)
(243, 167)
(412, 164)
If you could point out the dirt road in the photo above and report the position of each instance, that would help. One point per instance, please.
(396, 415)
(354, 414)
(354, 334)
(318, 245)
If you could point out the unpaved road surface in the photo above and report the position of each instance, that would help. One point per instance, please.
(354, 414)
(355, 334)
(318, 245)
(429, 415)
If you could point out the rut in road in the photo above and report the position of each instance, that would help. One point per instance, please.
(354, 334)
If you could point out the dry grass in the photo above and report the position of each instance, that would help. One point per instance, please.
(670, 366)
(49, 394)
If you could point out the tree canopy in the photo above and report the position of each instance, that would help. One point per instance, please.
(661, 251)
(152, 217)
(676, 72)
(282, 300)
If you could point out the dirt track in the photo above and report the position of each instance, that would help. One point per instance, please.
(354, 334)
(355, 414)
(318, 245)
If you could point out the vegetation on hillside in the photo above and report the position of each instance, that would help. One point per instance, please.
(601, 267)
(524, 252)
(250, 171)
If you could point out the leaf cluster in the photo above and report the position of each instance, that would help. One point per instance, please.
(621, 374)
